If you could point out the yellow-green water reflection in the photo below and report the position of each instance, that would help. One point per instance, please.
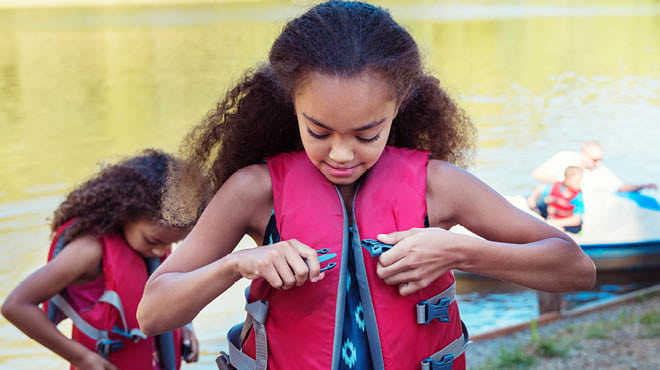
(79, 86)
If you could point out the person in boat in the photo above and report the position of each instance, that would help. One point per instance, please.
(596, 177)
(103, 232)
(338, 157)
(561, 203)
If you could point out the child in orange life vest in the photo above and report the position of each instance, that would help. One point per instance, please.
(109, 225)
(334, 133)
(561, 203)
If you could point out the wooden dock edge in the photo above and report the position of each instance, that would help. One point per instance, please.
(551, 317)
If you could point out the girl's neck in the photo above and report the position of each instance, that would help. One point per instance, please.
(347, 194)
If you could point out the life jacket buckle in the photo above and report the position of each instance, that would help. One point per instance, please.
(105, 346)
(427, 311)
(375, 247)
(445, 363)
(126, 333)
(324, 256)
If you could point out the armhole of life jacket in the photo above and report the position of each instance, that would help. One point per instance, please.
(272, 235)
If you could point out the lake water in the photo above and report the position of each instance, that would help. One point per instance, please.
(79, 86)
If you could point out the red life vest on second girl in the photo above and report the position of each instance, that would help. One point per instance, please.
(303, 324)
(125, 276)
(562, 195)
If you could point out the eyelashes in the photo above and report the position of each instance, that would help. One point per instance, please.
(315, 135)
(323, 136)
(370, 140)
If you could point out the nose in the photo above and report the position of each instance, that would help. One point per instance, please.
(161, 250)
(341, 152)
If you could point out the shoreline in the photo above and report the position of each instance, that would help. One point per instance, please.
(614, 334)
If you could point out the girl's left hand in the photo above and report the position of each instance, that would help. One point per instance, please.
(190, 340)
(418, 257)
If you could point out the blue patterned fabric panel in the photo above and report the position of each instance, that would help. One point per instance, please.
(355, 347)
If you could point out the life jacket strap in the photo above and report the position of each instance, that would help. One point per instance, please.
(78, 321)
(436, 307)
(257, 313)
(103, 342)
(443, 359)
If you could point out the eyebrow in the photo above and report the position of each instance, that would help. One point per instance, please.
(362, 128)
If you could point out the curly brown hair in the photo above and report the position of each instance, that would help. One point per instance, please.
(256, 118)
(122, 192)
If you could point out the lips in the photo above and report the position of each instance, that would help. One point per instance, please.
(341, 171)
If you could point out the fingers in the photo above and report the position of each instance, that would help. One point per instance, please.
(397, 236)
(283, 265)
(403, 277)
(398, 240)
(411, 287)
(304, 262)
(190, 341)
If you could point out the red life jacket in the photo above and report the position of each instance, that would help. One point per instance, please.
(304, 324)
(560, 203)
(110, 326)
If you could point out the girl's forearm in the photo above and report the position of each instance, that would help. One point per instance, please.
(551, 265)
(31, 320)
(173, 299)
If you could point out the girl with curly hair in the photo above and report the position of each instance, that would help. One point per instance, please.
(339, 158)
(103, 232)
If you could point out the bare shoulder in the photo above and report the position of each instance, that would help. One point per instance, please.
(251, 184)
(444, 182)
(445, 179)
(244, 200)
(254, 180)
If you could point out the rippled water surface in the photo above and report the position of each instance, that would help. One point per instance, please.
(79, 86)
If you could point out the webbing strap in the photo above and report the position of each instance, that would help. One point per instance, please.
(237, 358)
(455, 349)
(257, 313)
(259, 310)
(78, 321)
(112, 298)
(423, 314)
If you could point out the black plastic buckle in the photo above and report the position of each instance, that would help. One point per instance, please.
(105, 346)
(445, 363)
(375, 247)
(223, 362)
(438, 310)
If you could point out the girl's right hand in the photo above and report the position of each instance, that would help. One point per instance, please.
(282, 264)
(93, 361)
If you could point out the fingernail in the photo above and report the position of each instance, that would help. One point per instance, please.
(314, 279)
(186, 342)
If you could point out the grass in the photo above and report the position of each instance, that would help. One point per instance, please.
(551, 347)
(650, 318)
(516, 358)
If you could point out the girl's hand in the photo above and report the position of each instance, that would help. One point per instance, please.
(190, 341)
(418, 257)
(282, 264)
(93, 361)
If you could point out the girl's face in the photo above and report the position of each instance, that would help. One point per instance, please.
(344, 122)
(150, 238)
